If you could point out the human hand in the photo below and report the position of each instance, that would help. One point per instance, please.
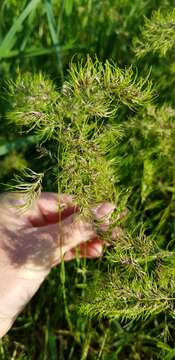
(33, 242)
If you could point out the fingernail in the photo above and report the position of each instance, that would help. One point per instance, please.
(96, 250)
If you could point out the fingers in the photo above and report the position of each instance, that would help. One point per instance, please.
(47, 245)
(48, 209)
(40, 247)
(92, 249)
(45, 211)
(75, 233)
(89, 247)
(103, 211)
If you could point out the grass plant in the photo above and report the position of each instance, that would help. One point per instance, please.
(102, 126)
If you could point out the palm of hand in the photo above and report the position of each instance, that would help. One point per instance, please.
(30, 244)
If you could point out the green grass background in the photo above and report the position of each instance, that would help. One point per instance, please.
(45, 35)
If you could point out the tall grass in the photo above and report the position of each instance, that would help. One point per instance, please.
(47, 35)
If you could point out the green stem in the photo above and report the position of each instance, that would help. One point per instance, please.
(160, 255)
(63, 273)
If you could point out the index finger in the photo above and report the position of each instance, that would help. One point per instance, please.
(51, 208)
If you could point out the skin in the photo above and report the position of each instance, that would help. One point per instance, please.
(31, 243)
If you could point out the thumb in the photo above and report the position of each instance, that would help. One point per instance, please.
(39, 248)
(70, 235)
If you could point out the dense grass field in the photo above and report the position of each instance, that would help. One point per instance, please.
(120, 306)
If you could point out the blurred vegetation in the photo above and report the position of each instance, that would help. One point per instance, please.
(128, 295)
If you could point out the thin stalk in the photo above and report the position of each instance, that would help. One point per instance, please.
(87, 342)
(149, 258)
(63, 287)
(63, 272)
(160, 255)
(103, 345)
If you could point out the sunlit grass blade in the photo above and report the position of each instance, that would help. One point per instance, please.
(68, 6)
(53, 33)
(10, 38)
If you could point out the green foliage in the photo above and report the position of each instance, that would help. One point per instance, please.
(30, 184)
(9, 40)
(148, 140)
(12, 163)
(157, 34)
(79, 126)
(101, 134)
(32, 101)
(76, 119)
(140, 286)
(44, 34)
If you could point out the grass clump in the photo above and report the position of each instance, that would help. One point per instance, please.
(80, 121)
(157, 34)
(101, 133)
(81, 129)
